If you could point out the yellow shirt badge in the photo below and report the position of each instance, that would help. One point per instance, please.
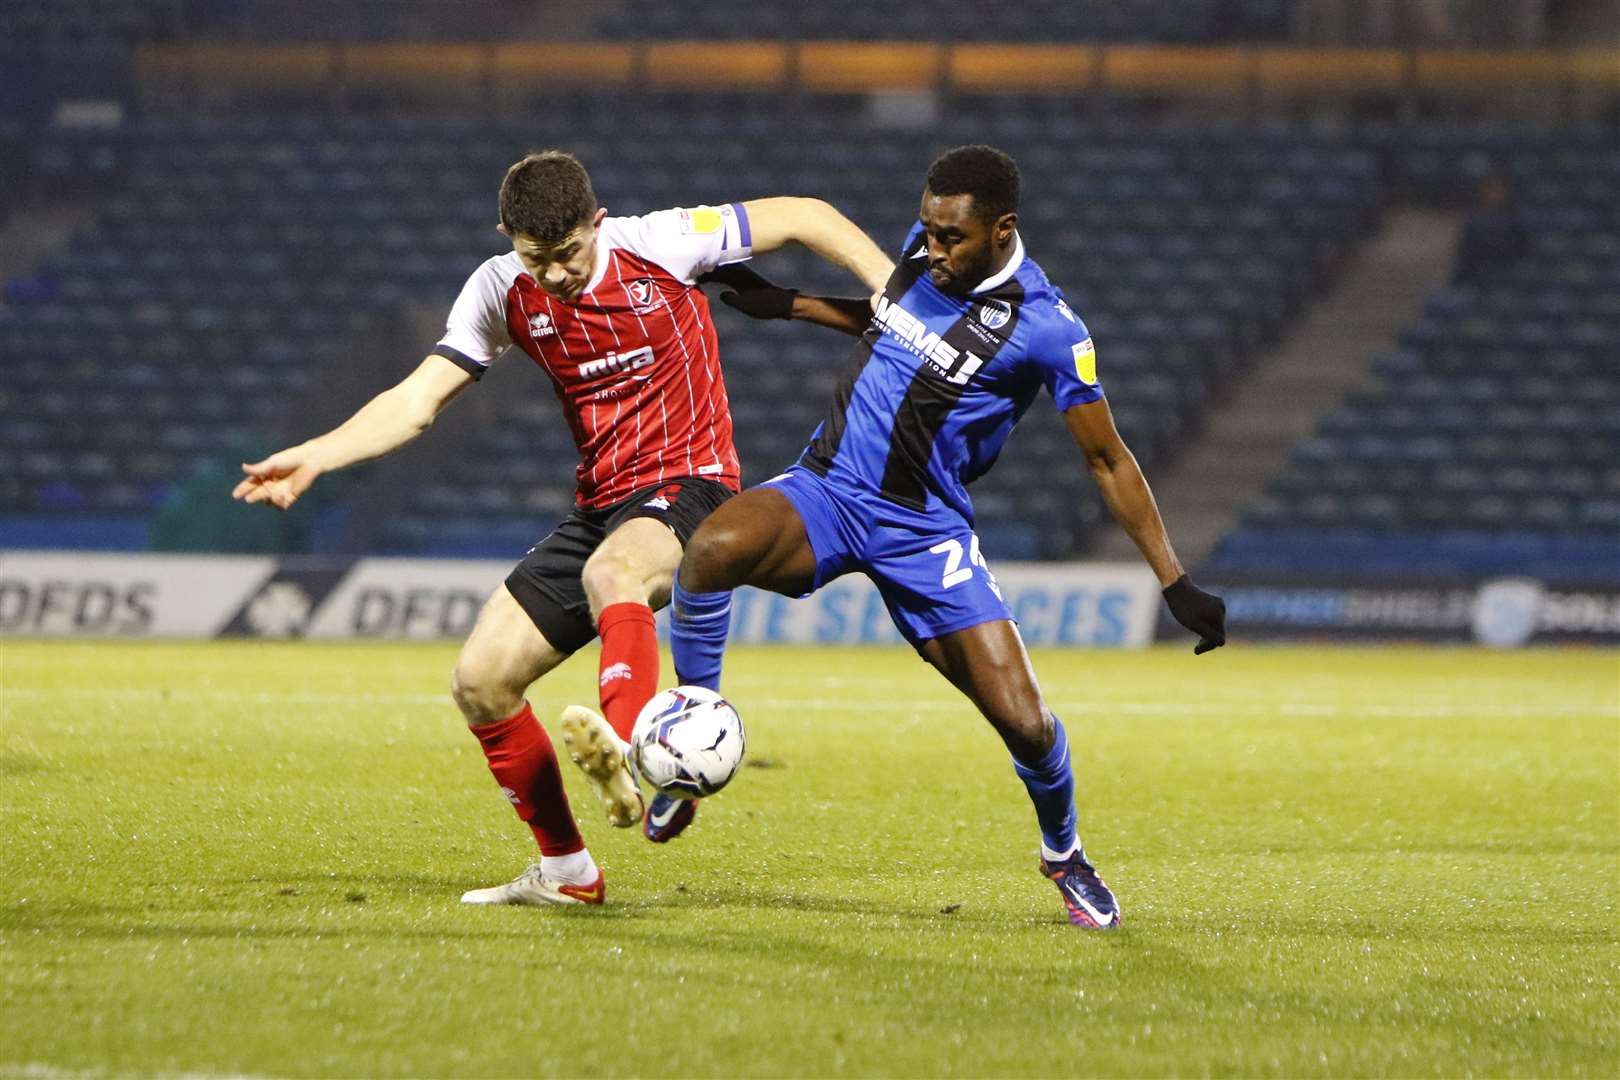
(1085, 362)
(701, 219)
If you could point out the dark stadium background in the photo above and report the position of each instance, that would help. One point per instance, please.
(225, 223)
(1353, 272)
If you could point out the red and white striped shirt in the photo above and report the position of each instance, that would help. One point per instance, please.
(634, 360)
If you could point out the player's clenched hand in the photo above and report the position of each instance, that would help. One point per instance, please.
(279, 479)
(750, 292)
(1201, 612)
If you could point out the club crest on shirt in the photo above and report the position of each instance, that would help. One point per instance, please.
(995, 313)
(644, 295)
(540, 325)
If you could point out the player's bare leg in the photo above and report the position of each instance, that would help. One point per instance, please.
(624, 579)
(504, 654)
(635, 563)
(755, 539)
(988, 663)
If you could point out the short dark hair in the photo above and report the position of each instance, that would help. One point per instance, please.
(547, 195)
(983, 172)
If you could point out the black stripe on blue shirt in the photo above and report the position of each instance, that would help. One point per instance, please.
(818, 457)
(929, 400)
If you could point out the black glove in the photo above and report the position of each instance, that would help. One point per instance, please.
(750, 293)
(1201, 612)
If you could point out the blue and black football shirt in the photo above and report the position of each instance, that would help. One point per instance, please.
(942, 379)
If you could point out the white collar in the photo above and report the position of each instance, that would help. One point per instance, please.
(1014, 261)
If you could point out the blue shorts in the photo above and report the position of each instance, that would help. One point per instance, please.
(926, 565)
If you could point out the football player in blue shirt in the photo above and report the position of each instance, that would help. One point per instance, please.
(953, 350)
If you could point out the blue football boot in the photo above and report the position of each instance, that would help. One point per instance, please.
(1090, 902)
(667, 817)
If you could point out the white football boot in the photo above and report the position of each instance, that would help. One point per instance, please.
(604, 758)
(534, 888)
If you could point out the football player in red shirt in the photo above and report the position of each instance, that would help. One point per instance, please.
(609, 309)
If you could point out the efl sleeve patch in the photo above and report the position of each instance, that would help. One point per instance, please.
(700, 219)
(1085, 361)
(689, 241)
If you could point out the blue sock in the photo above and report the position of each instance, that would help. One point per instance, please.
(1051, 788)
(698, 625)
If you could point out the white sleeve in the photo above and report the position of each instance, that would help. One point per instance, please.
(476, 331)
(689, 241)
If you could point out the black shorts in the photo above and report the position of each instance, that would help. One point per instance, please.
(547, 584)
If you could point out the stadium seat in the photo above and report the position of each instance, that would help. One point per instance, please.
(251, 256)
(1502, 402)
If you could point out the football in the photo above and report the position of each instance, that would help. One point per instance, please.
(688, 742)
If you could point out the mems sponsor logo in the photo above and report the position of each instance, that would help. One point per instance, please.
(955, 365)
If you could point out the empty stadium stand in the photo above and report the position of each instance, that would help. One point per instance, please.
(252, 255)
(247, 258)
(244, 273)
(1488, 439)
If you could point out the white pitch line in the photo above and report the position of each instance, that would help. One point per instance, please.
(1438, 711)
(1136, 708)
(223, 697)
(34, 1070)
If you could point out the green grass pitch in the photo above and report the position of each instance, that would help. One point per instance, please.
(227, 859)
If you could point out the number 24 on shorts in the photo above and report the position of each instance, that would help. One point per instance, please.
(955, 573)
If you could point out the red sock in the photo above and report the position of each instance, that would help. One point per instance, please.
(525, 765)
(629, 671)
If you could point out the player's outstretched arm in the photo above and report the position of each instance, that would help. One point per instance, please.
(386, 422)
(821, 228)
(1129, 499)
(757, 297)
(850, 315)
